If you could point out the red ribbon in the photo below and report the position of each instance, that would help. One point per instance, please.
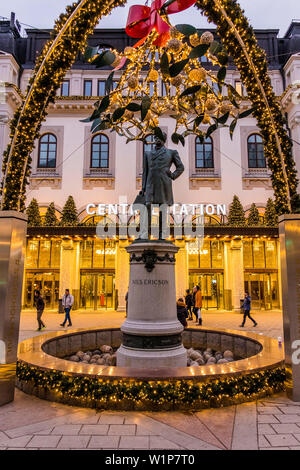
(143, 19)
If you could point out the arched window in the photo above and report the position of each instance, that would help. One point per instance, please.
(204, 153)
(149, 144)
(47, 151)
(100, 151)
(256, 154)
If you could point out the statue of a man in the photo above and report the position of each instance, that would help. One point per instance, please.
(157, 176)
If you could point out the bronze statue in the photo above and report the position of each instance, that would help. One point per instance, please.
(157, 179)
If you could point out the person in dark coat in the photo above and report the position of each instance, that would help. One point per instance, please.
(182, 312)
(40, 306)
(157, 184)
(189, 304)
(246, 308)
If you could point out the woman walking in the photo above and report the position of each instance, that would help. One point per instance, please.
(40, 306)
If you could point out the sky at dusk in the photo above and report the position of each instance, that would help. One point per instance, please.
(263, 14)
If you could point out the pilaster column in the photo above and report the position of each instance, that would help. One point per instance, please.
(228, 278)
(69, 269)
(181, 269)
(122, 274)
(237, 272)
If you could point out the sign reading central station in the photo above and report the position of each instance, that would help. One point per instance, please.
(176, 209)
(151, 282)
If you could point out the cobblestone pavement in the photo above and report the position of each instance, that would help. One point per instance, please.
(31, 423)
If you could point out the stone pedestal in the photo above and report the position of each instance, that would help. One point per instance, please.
(289, 231)
(13, 226)
(151, 332)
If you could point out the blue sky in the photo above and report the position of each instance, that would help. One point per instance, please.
(275, 14)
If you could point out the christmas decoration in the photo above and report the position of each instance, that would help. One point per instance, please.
(271, 217)
(253, 219)
(236, 216)
(181, 87)
(69, 38)
(69, 213)
(50, 217)
(33, 214)
(105, 393)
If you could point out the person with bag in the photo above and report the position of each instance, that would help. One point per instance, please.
(189, 304)
(246, 307)
(67, 303)
(40, 306)
(198, 304)
(182, 312)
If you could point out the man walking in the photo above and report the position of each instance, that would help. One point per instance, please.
(189, 303)
(40, 306)
(67, 302)
(247, 307)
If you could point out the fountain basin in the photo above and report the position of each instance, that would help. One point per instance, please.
(43, 372)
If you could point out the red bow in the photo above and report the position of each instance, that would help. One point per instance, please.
(142, 19)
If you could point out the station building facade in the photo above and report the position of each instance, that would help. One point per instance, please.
(102, 171)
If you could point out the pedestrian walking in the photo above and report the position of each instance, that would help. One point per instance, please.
(182, 312)
(198, 304)
(246, 306)
(40, 306)
(67, 303)
(189, 304)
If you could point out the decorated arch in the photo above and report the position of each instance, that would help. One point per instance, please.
(69, 38)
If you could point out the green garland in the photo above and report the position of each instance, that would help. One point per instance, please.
(97, 393)
(25, 126)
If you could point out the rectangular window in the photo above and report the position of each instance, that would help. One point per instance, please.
(258, 254)
(248, 255)
(65, 88)
(86, 254)
(32, 254)
(55, 253)
(217, 254)
(101, 87)
(88, 88)
(163, 89)
(271, 255)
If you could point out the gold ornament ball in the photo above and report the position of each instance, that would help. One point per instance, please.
(207, 38)
(153, 75)
(197, 75)
(206, 119)
(174, 33)
(128, 51)
(194, 40)
(211, 104)
(225, 107)
(133, 82)
(116, 62)
(175, 45)
(177, 81)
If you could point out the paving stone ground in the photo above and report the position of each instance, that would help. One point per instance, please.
(269, 424)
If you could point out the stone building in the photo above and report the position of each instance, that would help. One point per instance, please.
(100, 171)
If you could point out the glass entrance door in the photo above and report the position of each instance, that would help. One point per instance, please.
(212, 289)
(263, 289)
(97, 291)
(47, 284)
